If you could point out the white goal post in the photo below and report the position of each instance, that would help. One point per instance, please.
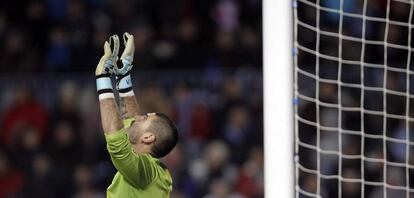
(278, 108)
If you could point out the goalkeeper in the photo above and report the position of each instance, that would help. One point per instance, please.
(136, 143)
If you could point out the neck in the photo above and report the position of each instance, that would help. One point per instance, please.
(141, 149)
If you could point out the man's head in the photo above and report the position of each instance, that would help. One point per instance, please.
(153, 133)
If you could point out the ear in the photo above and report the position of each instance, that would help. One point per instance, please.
(148, 138)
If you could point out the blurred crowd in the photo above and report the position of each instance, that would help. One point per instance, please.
(198, 61)
(52, 142)
(68, 35)
(365, 132)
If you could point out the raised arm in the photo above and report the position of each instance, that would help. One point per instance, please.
(138, 170)
(110, 118)
(129, 105)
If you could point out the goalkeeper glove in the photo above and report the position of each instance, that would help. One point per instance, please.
(123, 77)
(105, 67)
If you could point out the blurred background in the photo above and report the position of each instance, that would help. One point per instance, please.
(198, 61)
(362, 127)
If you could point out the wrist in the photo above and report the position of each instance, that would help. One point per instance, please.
(127, 94)
(124, 84)
(104, 86)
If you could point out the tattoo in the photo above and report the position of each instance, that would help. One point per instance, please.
(129, 106)
(123, 108)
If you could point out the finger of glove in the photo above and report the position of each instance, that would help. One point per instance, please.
(126, 37)
(107, 49)
(129, 46)
(115, 40)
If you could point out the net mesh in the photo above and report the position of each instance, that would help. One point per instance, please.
(354, 98)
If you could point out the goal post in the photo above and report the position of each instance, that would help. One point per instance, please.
(278, 108)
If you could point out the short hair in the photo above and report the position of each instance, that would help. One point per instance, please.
(166, 135)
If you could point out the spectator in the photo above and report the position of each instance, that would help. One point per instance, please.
(66, 152)
(237, 132)
(213, 164)
(24, 112)
(220, 188)
(58, 56)
(83, 183)
(251, 176)
(41, 175)
(11, 180)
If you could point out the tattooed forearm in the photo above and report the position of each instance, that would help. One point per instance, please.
(130, 105)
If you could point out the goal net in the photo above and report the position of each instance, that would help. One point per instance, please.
(354, 98)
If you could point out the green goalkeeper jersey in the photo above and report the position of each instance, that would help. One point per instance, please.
(139, 175)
